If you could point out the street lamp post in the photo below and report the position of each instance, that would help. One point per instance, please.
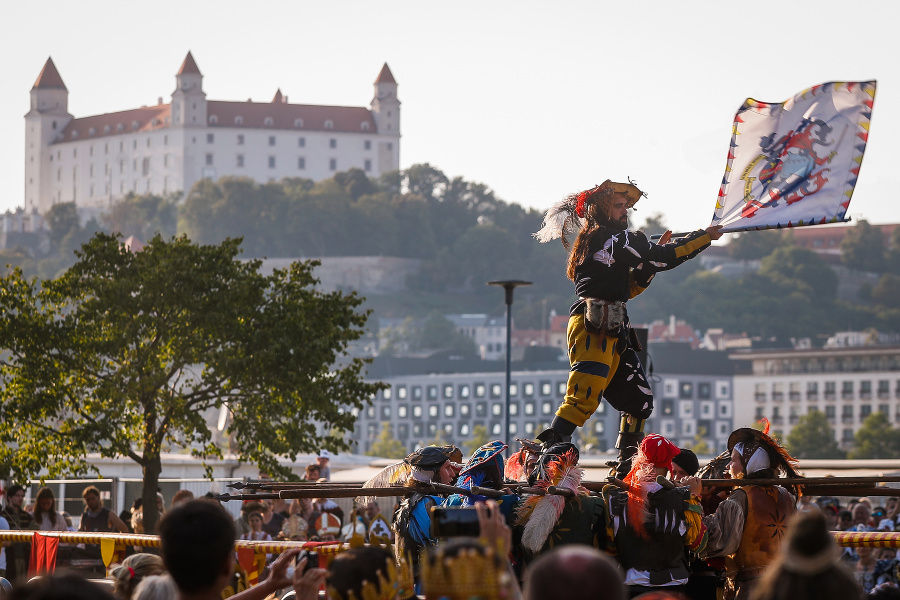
(508, 285)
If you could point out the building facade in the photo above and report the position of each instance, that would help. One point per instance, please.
(97, 160)
(846, 384)
(693, 402)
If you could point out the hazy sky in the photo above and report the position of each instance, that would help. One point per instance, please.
(534, 99)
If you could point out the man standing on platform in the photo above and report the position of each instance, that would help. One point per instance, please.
(609, 264)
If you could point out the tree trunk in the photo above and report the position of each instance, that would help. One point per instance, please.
(152, 469)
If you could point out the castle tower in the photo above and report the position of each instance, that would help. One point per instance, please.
(44, 123)
(385, 105)
(189, 99)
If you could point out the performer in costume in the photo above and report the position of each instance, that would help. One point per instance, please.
(484, 469)
(649, 526)
(609, 264)
(544, 522)
(412, 521)
(749, 526)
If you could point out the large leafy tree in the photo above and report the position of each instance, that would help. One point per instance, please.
(877, 438)
(128, 354)
(813, 437)
(863, 248)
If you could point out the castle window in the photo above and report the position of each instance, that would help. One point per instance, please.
(74, 134)
(271, 162)
(332, 164)
(213, 119)
(271, 140)
(301, 163)
(145, 166)
(209, 159)
(91, 132)
(367, 145)
(54, 124)
(368, 165)
(298, 123)
(148, 142)
(239, 120)
(107, 129)
(301, 142)
(329, 124)
(268, 122)
(210, 138)
(135, 125)
(120, 128)
(332, 143)
(240, 160)
(364, 125)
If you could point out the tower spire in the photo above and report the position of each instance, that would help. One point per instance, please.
(49, 77)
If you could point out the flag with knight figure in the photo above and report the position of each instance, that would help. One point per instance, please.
(795, 163)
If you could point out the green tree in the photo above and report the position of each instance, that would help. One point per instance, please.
(386, 445)
(804, 269)
(63, 221)
(863, 248)
(654, 224)
(887, 291)
(439, 333)
(754, 245)
(813, 437)
(876, 438)
(478, 438)
(700, 445)
(143, 216)
(129, 354)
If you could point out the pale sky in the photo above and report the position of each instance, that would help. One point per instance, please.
(534, 99)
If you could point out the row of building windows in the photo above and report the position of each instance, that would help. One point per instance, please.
(702, 390)
(273, 162)
(298, 123)
(465, 410)
(478, 390)
(301, 141)
(134, 145)
(666, 407)
(832, 364)
(848, 413)
(796, 391)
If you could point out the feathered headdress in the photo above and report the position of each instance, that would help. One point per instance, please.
(539, 514)
(567, 216)
(655, 452)
(756, 447)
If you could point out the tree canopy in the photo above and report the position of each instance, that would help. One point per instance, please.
(813, 437)
(127, 354)
(877, 438)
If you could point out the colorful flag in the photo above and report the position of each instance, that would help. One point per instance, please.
(795, 163)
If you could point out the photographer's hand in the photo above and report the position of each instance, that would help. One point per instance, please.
(495, 533)
(307, 584)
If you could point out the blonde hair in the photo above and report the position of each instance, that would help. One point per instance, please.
(132, 571)
(156, 587)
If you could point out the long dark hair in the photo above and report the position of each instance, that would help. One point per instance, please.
(45, 492)
(595, 219)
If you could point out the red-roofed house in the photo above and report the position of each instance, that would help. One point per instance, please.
(168, 147)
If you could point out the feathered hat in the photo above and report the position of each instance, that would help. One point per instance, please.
(567, 216)
(761, 456)
(421, 465)
(537, 514)
(655, 452)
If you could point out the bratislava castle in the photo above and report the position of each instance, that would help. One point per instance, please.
(97, 160)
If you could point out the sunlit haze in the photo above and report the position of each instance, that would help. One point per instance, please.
(534, 99)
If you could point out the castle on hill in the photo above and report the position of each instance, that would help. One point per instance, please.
(98, 160)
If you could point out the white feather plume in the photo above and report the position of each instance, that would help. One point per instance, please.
(391, 474)
(542, 521)
(557, 219)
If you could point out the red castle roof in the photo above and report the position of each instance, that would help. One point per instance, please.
(49, 77)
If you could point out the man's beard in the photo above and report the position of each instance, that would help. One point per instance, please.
(621, 223)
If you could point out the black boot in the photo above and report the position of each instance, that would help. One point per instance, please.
(560, 431)
(630, 436)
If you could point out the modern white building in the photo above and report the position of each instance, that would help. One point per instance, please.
(846, 384)
(97, 160)
(488, 333)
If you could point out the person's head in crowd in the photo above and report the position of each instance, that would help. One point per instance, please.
(312, 472)
(197, 547)
(685, 464)
(808, 567)
(160, 503)
(832, 517)
(45, 504)
(62, 586)
(845, 520)
(878, 513)
(132, 571)
(182, 496)
(295, 528)
(862, 515)
(324, 458)
(434, 464)
(463, 568)
(256, 521)
(91, 497)
(328, 527)
(15, 496)
(249, 507)
(372, 510)
(572, 572)
(367, 567)
(156, 587)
